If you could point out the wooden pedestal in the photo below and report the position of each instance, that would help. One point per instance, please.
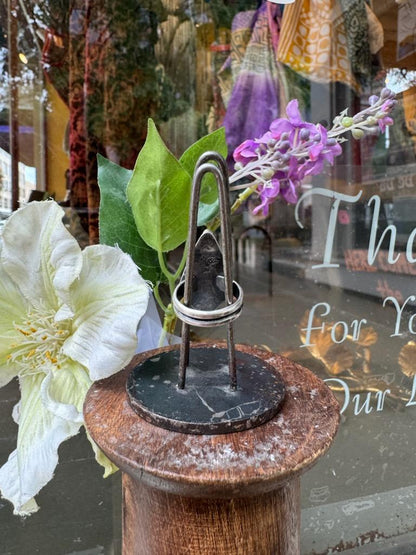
(225, 494)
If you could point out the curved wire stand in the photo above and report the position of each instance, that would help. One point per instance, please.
(213, 163)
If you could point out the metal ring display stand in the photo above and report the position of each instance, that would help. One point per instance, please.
(211, 465)
(219, 170)
(206, 391)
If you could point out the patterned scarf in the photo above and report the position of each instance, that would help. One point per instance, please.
(356, 26)
(326, 40)
(255, 98)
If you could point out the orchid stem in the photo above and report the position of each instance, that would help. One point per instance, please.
(169, 324)
(163, 267)
(181, 265)
(158, 297)
(170, 318)
(242, 197)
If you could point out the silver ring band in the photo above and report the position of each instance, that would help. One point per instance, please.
(207, 318)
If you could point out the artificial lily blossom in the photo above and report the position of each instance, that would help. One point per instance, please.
(67, 317)
(292, 149)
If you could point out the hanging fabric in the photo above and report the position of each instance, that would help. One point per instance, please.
(255, 98)
(99, 56)
(314, 42)
(354, 14)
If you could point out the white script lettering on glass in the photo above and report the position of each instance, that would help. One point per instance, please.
(342, 330)
(389, 233)
(339, 330)
(364, 403)
(361, 403)
(399, 312)
(372, 401)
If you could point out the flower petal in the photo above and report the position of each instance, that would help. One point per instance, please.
(63, 391)
(315, 150)
(12, 309)
(16, 412)
(39, 254)
(323, 132)
(290, 194)
(63, 313)
(150, 329)
(103, 460)
(28, 508)
(280, 126)
(264, 207)
(32, 464)
(109, 299)
(264, 139)
(246, 151)
(315, 168)
(293, 113)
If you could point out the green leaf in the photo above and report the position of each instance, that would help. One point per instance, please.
(117, 226)
(214, 141)
(159, 194)
(207, 212)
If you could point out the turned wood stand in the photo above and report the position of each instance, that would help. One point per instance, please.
(236, 493)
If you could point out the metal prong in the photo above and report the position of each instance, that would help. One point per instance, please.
(219, 170)
(231, 356)
(184, 356)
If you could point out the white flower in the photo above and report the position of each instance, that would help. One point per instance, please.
(67, 317)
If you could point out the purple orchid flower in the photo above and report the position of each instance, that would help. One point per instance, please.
(268, 193)
(294, 176)
(324, 150)
(384, 122)
(289, 193)
(291, 124)
(246, 152)
(283, 183)
(386, 108)
(293, 149)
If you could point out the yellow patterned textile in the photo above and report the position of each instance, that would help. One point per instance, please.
(313, 42)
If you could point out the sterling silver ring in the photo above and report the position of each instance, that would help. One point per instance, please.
(207, 318)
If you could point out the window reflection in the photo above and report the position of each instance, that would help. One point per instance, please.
(80, 78)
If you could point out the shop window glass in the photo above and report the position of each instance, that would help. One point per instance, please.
(329, 280)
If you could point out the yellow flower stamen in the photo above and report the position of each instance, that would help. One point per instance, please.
(41, 343)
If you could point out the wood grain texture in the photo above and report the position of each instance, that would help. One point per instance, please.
(229, 465)
(228, 494)
(158, 523)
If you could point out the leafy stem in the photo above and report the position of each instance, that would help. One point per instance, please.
(181, 265)
(166, 272)
(242, 197)
(170, 318)
(169, 323)
(158, 297)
